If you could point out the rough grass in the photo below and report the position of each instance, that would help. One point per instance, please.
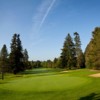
(51, 84)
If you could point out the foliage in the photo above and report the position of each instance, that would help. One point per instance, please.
(80, 61)
(25, 54)
(89, 55)
(16, 55)
(92, 53)
(3, 60)
(68, 58)
(25, 59)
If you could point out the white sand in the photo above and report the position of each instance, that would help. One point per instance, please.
(95, 75)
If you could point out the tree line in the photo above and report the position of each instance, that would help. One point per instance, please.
(71, 57)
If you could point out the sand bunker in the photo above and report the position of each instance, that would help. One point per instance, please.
(65, 71)
(95, 75)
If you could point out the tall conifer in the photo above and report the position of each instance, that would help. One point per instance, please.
(68, 53)
(16, 55)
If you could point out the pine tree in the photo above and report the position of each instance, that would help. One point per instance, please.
(63, 56)
(68, 53)
(26, 57)
(16, 55)
(77, 44)
(55, 62)
(3, 60)
(79, 53)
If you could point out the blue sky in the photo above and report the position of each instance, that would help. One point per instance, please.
(44, 24)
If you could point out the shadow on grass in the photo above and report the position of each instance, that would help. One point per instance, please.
(41, 71)
(92, 96)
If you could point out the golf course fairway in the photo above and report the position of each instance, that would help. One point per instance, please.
(50, 84)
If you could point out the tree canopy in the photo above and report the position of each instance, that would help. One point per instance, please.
(92, 52)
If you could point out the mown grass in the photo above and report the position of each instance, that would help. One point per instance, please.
(50, 84)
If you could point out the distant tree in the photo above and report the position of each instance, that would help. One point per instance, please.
(55, 62)
(68, 58)
(33, 65)
(77, 43)
(3, 60)
(59, 63)
(44, 64)
(79, 54)
(38, 64)
(49, 64)
(16, 55)
(26, 57)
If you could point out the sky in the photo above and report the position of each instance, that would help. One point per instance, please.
(44, 24)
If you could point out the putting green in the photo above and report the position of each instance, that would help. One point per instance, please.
(45, 83)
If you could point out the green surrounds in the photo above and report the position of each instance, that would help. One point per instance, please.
(50, 84)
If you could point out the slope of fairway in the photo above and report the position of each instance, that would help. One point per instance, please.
(44, 84)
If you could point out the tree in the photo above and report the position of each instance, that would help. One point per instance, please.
(26, 57)
(92, 52)
(16, 55)
(38, 64)
(55, 62)
(68, 53)
(49, 64)
(3, 60)
(78, 50)
(44, 64)
(58, 63)
(81, 60)
(77, 43)
(89, 55)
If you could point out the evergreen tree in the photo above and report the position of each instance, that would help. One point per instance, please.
(92, 53)
(77, 43)
(89, 55)
(78, 50)
(3, 60)
(81, 60)
(16, 55)
(68, 53)
(26, 62)
(63, 56)
(25, 53)
(55, 62)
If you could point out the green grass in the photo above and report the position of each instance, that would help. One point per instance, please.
(50, 84)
